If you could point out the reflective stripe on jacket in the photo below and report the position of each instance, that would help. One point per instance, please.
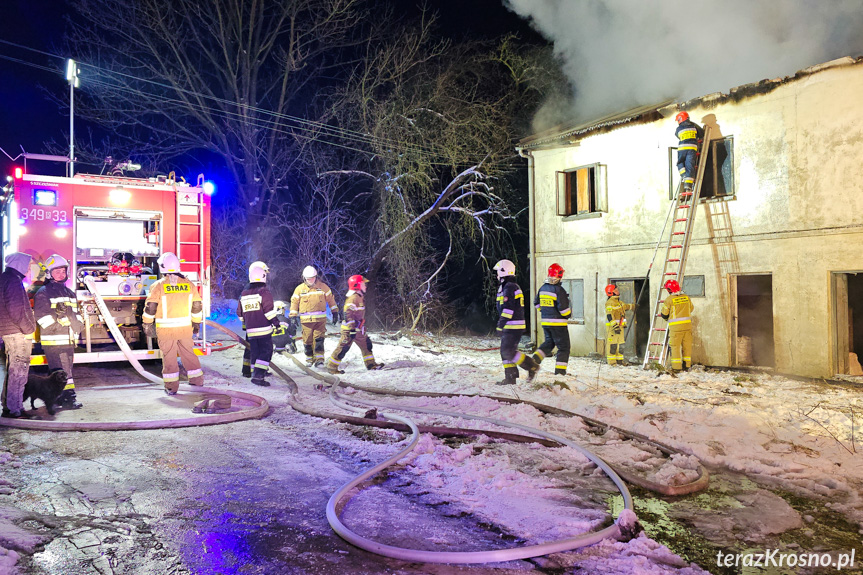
(173, 304)
(552, 301)
(310, 302)
(678, 307)
(56, 309)
(256, 310)
(510, 305)
(688, 133)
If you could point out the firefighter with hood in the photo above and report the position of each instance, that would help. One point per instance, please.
(56, 308)
(677, 311)
(552, 301)
(173, 313)
(689, 135)
(510, 306)
(258, 312)
(17, 325)
(615, 322)
(354, 327)
(309, 309)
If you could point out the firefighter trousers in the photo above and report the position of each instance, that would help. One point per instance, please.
(345, 342)
(680, 342)
(511, 357)
(313, 340)
(185, 350)
(686, 165)
(260, 353)
(18, 348)
(614, 340)
(62, 357)
(554, 336)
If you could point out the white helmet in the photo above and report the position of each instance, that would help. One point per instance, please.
(258, 272)
(169, 263)
(280, 307)
(56, 261)
(309, 272)
(504, 268)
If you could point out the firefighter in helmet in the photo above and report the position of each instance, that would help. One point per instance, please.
(354, 327)
(173, 313)
(56, 308)
(309, 308)
(552, 301)
(258, 312)
(282, 338)
(690, 136)
(677, 311)
(510, 306)
(615, 322)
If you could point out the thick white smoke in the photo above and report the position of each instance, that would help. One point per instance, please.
(619, 54)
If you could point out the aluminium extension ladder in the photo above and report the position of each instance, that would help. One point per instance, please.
(677, 248)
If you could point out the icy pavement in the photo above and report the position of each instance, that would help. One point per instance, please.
(249, 497)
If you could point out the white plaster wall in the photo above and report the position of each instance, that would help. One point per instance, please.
(797, 214)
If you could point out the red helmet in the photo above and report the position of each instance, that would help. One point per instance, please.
(555, 271)
(357, 282)
(672, 286)
(610, 289)
(681, 117)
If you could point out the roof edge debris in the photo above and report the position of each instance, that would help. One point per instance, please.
(654, 112)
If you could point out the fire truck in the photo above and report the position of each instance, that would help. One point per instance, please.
(112, 229)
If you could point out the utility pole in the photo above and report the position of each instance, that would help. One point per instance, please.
(72, 77)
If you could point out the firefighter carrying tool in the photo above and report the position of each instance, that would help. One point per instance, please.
(615, 321)
(173, 313)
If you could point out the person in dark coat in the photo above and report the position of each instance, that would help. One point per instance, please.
(17, 324)
(511, 325)
(689, 135)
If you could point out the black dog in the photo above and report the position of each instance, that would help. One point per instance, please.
(47, 388)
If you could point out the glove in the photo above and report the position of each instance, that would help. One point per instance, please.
(150, 329)
(294, 325)
(292, 346)
(336, 317)
(369, 343)
(196, 328)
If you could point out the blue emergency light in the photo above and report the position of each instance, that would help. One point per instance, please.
(44, 198)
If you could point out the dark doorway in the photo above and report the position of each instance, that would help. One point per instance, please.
(638, 323)
(755, 321)
(848, 296)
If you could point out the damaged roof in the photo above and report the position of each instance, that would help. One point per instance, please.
(645, 114)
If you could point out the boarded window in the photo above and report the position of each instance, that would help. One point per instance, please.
(718, 173)
(581, 190)
(575, 289)
(693, 286)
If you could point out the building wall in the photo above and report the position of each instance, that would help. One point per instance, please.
(797, 214)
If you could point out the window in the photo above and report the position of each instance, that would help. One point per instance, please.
(575, 289)
(718, 173)
(693, 286)
(581, 191)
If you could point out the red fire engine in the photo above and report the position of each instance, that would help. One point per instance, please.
(112, 228)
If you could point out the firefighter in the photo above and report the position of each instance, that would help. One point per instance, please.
(510, 306)
(615, 322)
(677, 311)
(690, 136)
(309, 308)
(354, 327)
(56, 308)
(552, 301)
(282, 338)
(258, 312)
(173, 313)
(17, 325)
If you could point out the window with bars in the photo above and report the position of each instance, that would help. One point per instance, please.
(581, 190)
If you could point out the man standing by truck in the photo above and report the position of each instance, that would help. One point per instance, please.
(17, 325)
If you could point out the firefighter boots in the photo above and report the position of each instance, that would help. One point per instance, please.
(247, 371)
(507, 381)
(68, 400)
(374, 366)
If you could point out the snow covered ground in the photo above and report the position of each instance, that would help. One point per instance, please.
(271, 478)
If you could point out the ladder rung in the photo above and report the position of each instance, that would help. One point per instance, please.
(675, 247)
(685, 194)
(189, 263)
(678, 234)
(654, 357)
(673, 260)
(680, 220)
(190, 223)
(680, 207)
(189, 243)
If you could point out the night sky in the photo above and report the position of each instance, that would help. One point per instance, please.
(28, 118)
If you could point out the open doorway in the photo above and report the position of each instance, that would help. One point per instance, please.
(638, 323)
(754, 301)
(848, 312)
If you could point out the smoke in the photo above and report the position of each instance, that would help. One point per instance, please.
(619, 54)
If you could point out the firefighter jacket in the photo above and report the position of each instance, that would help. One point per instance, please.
(510, 305)
(552, 301)
(689, 134)
(354, 312)
(615, 312)
(677, 310)
(310, 302)
(282, 333)
(57, 314)
(256, 310)
(16, 315)
(173, 304)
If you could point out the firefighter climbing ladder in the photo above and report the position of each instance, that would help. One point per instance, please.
(190, 239)
(677, 248)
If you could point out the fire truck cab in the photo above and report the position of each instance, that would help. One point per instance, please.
(113, 229)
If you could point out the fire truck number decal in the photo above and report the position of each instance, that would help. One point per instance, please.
(177, 288)
(39, 215)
